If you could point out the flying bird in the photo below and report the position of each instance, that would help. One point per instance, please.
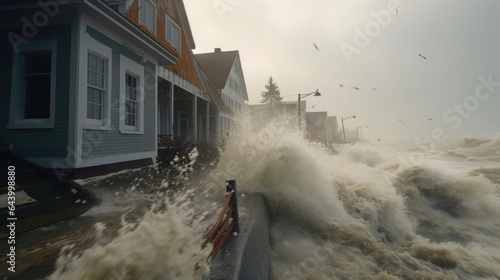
(422, 56)
(356, 88)
(430, 119)
(341, 85)
(316, 47)
(401, 121)
(374, 89)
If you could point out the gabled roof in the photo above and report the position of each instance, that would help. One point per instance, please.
(217, 65)
(213, 92)
(186, 27)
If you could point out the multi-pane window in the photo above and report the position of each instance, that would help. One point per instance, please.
(35, 84)
(132, 96)
(173, 34)
(147, 14)
(131, 100)
(96, 87)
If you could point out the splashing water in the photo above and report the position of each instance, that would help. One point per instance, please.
(363, 213)
(162, 243)
(159, 246)
(356, 211)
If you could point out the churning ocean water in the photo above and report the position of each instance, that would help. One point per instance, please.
(355, 211)
(374, 211)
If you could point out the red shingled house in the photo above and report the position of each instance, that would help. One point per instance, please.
(183, 104)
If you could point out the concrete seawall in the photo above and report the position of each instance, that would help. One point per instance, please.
(246, 256)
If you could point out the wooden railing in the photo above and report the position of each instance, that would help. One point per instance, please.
(165, 141)
(228, 222)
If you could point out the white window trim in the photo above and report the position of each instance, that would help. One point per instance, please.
(168, 19)
(16, 120)
(129, 66)
(143, 21)
(105, 52)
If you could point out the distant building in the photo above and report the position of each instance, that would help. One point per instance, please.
(317, 126)
(286, 112)
(290, 107)
(333, 133)
(227, 84)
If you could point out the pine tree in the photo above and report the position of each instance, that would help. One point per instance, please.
(272, 95)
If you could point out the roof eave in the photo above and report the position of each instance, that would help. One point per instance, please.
(185, 23)
(206, 83)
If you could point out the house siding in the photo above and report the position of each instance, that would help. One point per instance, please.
(163, 7)
(98, 143)
(185, 67)
(39, 143)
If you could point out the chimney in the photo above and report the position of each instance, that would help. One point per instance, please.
(217, 50)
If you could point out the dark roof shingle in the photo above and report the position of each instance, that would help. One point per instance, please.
(217, 66)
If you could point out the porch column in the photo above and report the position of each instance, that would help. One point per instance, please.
(207, 125)
(171, 119)
(195, 119)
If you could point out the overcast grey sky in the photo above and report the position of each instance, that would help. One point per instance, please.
(372, 45)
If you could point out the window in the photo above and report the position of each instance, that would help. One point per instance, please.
(131, 101)
(96, 88)
(131, 96)
(95, 85)
(35, 83)
(33, 86)
(147, 14)
(173, 34)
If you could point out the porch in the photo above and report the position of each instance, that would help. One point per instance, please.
(182, 117)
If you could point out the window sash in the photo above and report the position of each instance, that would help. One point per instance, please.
(95, 103)
(131, 100)
(147, 14)
(173, 34)
(96, 87)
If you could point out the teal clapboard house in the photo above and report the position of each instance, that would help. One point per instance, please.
(78, 86)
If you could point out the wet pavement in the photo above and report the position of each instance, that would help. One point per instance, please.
(49, 226)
